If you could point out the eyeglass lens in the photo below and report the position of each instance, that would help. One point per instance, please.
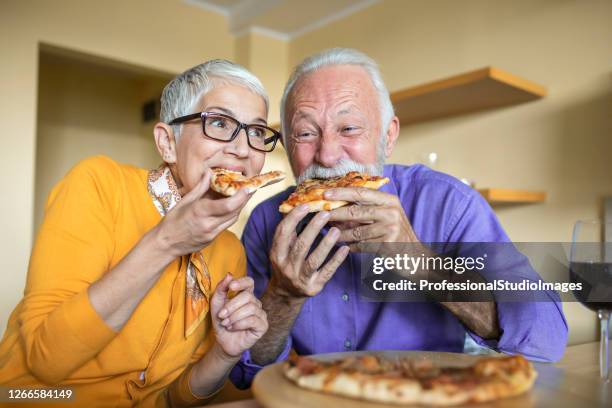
(223, 128)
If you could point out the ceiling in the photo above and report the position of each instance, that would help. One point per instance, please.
(283, 19)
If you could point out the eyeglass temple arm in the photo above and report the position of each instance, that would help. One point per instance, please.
(272, 138)
(185, 118)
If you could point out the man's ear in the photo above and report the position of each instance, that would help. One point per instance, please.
(393, 132)
(165, 142)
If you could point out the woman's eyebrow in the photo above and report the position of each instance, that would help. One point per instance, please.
(233, 115)
(223, 110)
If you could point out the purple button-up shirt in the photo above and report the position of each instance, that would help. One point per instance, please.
(440, 209)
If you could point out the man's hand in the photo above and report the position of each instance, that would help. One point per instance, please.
(295, 277)
(295, 274)
(240, 321)
(374, 216)
(197, 219)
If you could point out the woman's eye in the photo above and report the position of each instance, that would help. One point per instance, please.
(220, 123)
(254, 132)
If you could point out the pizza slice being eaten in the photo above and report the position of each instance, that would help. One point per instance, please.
(228, 182)
(311, 191)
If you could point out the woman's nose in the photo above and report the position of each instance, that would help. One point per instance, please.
(240, 145)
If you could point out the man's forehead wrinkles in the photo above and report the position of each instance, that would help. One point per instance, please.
(306, 108)
(316, 97)
(341, 96)
(323, 97)
(337, 101)
(344, 108)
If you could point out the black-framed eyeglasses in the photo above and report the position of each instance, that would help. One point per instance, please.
(225, 128)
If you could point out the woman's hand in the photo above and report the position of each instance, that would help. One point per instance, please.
(240, 321)
(197, 220)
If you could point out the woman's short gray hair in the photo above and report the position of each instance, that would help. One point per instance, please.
(181, 95)
(341, 56)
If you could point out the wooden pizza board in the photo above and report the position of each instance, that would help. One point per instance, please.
(554, 386)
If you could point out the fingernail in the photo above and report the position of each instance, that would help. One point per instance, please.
(303, 208)
(234, 285)
(225, 322)
(324, 215)
(222, 313)
(334, 232)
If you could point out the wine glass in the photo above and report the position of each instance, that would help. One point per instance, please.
(591, 266)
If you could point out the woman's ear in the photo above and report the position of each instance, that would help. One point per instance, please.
(165, 142)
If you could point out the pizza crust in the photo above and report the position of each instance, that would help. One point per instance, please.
(367, 378)
(315, 206)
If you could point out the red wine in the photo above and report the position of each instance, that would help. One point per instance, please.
(596, 280)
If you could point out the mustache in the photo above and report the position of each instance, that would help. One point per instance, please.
(316, 171)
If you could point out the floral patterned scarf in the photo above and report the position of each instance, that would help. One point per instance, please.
(163, 190)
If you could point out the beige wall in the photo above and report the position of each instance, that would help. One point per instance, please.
(158, 35)
(268, 58)
(85, 110)
(560, 144)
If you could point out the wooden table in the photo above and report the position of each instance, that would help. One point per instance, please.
(574, 381)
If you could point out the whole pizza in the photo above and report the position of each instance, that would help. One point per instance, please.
(409, 381)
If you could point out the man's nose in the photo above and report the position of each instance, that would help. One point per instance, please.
(240, 145)
(330, 151)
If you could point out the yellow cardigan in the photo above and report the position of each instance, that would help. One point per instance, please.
(93, 217)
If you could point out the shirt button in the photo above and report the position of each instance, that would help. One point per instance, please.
(345, 297)
(347, 344)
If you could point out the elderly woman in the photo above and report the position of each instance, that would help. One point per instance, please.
(136, 293)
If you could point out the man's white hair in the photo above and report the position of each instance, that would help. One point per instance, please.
(341, 56)
(183, 93)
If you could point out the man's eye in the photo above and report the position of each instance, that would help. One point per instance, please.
(303, 135)
(350, 129)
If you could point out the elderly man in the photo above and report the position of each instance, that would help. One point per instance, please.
(337, 117)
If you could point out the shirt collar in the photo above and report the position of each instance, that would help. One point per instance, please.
(163, 190)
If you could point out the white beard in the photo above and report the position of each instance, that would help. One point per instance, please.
(344, 166)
